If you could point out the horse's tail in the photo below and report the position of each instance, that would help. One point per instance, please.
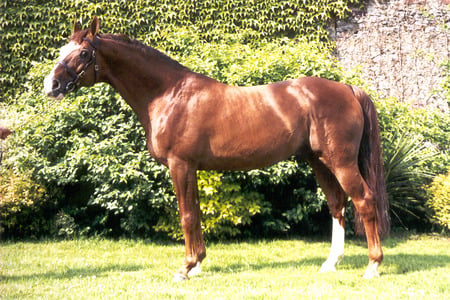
(370, 162)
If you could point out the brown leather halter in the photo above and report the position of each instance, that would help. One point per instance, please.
(71, 85)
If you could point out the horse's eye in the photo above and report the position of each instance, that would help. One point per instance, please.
(84, 54)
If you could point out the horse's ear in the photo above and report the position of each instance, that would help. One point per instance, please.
(94, 27)
(76, 26)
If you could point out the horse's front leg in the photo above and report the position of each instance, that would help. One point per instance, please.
(337, 244)
(185, 181)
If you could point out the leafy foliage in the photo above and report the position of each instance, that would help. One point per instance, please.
(89, 151)
(65, 225)
(404, 178)
(416, 148)
(433, 126)
(225, 207)
(22, 206)
(296, 202)
(85, 157)
(439, 200)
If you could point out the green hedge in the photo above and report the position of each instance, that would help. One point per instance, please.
(85, 159)
(439, 200)
(417, 147)
(88, 152)
(25, 211)
(32, 30)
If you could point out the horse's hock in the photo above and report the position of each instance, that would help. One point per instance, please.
(401, 46)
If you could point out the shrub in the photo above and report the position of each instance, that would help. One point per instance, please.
(404, 155)
(89, 151)
(225, 207)
(24, 209)
(433, 126)
(65, 225)
(235, 63)
(90, 155)
(439, 200)
(296, 203)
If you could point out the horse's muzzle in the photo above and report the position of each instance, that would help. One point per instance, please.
(53, 88)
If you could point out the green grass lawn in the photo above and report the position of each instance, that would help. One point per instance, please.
(415, 267)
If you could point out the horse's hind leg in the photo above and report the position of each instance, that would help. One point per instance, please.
(354, 185)
(337, 200)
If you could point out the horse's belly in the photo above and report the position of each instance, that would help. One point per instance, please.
(251, 151)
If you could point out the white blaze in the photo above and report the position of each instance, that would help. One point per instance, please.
(63, 53)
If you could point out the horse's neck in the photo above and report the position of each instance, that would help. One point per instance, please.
(137, 75)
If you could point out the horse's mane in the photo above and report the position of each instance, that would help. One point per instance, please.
(122, 38)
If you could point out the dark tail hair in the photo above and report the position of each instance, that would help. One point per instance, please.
(370, 162)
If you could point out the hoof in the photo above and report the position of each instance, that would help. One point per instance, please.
(178, 277)
(371, 271)
(327, 267)
(330, 264)
(371, 274)
(195, 270)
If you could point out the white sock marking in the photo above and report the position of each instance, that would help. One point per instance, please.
(195, 270)
(337, 247)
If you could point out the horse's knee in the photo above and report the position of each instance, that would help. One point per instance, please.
(189, 222)
(186, 221)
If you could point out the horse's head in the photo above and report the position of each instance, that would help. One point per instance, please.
(77, 64)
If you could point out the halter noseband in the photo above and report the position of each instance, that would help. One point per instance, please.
(71, 85)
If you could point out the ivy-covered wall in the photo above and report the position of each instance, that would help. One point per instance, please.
(32, 30)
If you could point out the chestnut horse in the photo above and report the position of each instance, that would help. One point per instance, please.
(193, 122)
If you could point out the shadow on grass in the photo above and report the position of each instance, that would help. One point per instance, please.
(392, 264)
(74, 273)
(406, 263)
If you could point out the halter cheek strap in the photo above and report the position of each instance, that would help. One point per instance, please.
(71, 85)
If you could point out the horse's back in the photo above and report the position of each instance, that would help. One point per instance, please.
(232, 128)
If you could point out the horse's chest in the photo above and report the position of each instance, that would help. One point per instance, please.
(159, 137)
(166, 135)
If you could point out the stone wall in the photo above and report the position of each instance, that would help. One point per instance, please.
(401, 46)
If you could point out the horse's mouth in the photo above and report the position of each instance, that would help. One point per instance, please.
(55, 96)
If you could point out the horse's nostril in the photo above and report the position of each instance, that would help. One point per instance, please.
(56, 84)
